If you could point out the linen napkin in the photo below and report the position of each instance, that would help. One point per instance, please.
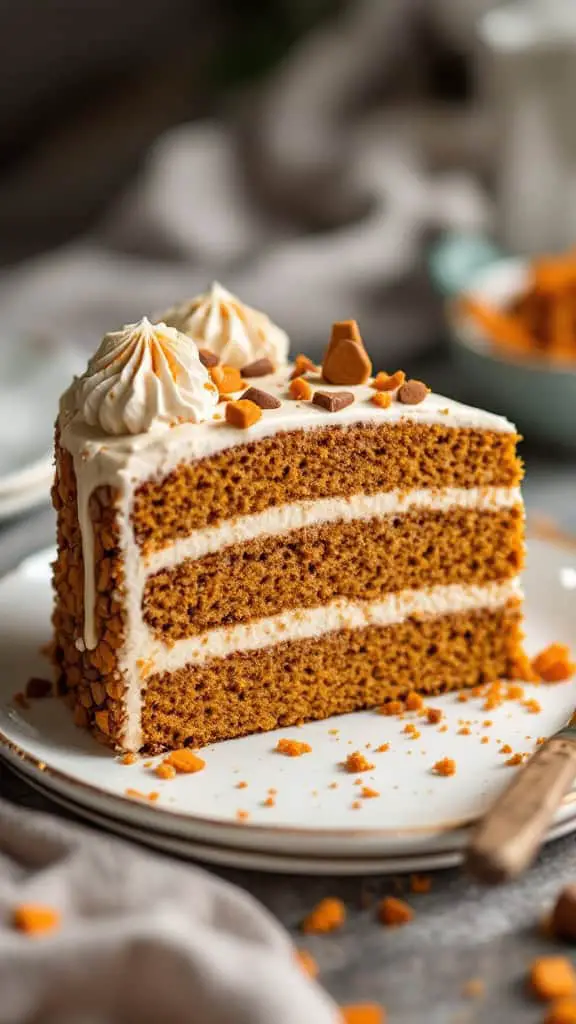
(142, 938)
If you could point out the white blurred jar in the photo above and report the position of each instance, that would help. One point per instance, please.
(529, 69)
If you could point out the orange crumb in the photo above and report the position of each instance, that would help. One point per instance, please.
(464, 731)
(541, 740)
(356, 805)
(393, 707)
(383, 399)
(382, 748)
(462, 698)
(414, 701)
(552, 977)
(135, 794)
(293, 748)
(447, 766)
(485, 739)
(243, 413)
(227, 379)
(269, 802)
(561, 1011)
(307, 963)
(242, 785)
(420, 883)
(302, 365)
(443, 728)
(327, 916)
(434, 715)
(474, 988)
(487, 722)
(300, 389)
(129, 759)
(242, 815)
(165, 771)
(388, 381)
(356, 762)
(554, 664)
(366, 1013)
(506, 749)
(515, 760)
(369, 793)
(533, 706)
(35, 918)
(185, 761)
(514, 692)
(394, 912)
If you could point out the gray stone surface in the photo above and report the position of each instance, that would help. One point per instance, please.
(460, 931)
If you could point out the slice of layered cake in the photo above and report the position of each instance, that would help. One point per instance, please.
(246, 547)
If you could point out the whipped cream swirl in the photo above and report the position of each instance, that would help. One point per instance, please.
(238, 334)
(144, 376)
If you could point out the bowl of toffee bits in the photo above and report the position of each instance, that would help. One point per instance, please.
(513, 335)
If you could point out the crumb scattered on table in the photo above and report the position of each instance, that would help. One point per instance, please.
(445, 767)
(393, 912)
(326, 916)
(293, 748)
(552, 977)
(36, 918)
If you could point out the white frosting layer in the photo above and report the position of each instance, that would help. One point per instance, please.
(237, 333)
(284, 518)
(142, 377)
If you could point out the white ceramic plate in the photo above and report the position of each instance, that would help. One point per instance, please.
(226, 856)
(417, 813)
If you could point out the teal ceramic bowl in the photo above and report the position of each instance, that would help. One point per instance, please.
(538, 396)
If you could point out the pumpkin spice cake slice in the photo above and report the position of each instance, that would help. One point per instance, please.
(230, 563)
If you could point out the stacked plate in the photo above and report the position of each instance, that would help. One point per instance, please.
(253, 807)
(33, 376)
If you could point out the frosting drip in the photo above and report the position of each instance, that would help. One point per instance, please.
(144, 376)
(238, 334)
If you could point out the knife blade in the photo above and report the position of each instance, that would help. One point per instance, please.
(508, 837)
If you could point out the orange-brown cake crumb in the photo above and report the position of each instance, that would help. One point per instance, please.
(363, 1013)
(474, 988)
(356, 762)
(227, 379)
(392, 707)
(394, 912)
(327, 916)
(242, 815)
(446, 766)
(514, 692)
(533, 706)
(388, 381)
(506, 749)
(136, 794)
(382, 749)
(420, 883)
(300, 389)
(243, 413)
(552, 977)
(464, 731)
(302, 365)
(414, 701)
(383, 399)
(561, 1011)
(269, 802)
(242, 785)
(515, 760)
(129, 759)
(368, 793)
(485, 739)
(185, 761)
(554, 664)
(293, 748)
(165, 771)
(434, 715)
(307, 963)
(36, 918)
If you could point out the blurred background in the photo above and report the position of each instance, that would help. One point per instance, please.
(323, 159)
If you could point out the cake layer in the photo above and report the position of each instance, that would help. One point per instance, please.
(315, 677)
(359, 560)
(307, 465)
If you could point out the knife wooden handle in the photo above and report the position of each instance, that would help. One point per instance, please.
(509, 835)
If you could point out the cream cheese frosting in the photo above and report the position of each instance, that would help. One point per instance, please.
(236, 333)
(142, 377)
